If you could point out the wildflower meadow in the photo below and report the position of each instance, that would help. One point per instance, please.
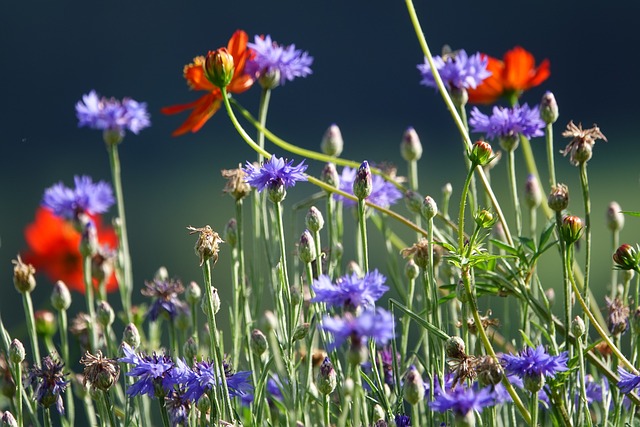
(478, 265)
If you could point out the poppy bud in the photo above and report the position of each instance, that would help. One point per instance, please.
(219, 67)
(410, 147)
(480, 153)
(363, 183)
(558, 199)
(549, 108)
(332, 142)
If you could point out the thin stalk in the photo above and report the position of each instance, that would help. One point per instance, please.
(584, 181)
(47, 417)
(109, 407)
(615, 242)
(317, 242)
(535, 402)
(463, 203)
(325, 411)
(124, 261)
(412, 168)
(331, 231)
(173, 339)
(513, 186)
(548, 130)
(362, 223)
(566, 267)
(64, 349)
(19, 390)
(406, 321)
(583, 407)
(286, 289)
(163, 413)
(473, 195)
(31, 326)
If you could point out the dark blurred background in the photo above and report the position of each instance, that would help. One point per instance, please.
(364, 79)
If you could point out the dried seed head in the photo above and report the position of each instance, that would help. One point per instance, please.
(23, 276)
(207, 244)
(236, 185)
(100, 372)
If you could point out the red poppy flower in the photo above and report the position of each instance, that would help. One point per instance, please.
(511, 76)
(54, 249)
(207, 105)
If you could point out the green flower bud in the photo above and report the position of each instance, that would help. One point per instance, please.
(161, 274)
(307, 247)
(413, 201)
(330, 175)
(314, 220)
(571, 229)
(332, 142)
(411, 269)
(558, 199)
(549, 108)
(46, 325)
(16, 351)
(363, 183)
(219, 67)
(259, 343)
(301, 331)
(410, 147)
(509, 143)
(627, 257)
(276, 191)
(105, 314)
(270, 79)
(204, 404)
(131, 336)
(429, 208)
(533, 383)
(60, 296)
(89, 244)
(532, 193)
(193, 293)
(413, 386)
(578, 327)
(190, 349)
(615, 217)
(231, 232)
(485, 219)
(481, 153)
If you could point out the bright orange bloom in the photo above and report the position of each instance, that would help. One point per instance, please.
(511, 76)
(54, 249)
(207, 105)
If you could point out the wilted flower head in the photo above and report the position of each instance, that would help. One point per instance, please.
(100, 372)
(207, 245)
(280, 63)
(236, 184)
(275, 172)
(457, 70)
(23, 275)
(582, 142)
(377, 325)
(112, 115)
(165, 294)
(383, 193)
(507, 124)
(350, 291)
(49, 383)
(618, 319)
(87, 197)
(420, 253)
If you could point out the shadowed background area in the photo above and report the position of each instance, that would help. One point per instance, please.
(364, 79)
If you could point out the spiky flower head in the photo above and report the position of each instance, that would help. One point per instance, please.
(24, 278)
(86, 197)
(49, 383)
(236, 184)
(508, 124)
(276, 175)
(100, 372)
(377, 325)
(207, 245)
(165, 298)
(628, 381)
(350, 291)
(457, 70)
(531, 363)
(582, 141)
(275, 63)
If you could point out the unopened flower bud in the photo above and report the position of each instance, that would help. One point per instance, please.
(276, 190)
(258, 343)
(332, 142)
(410, 147)
(558, 199)
(447, 190)
(509, 142)
(357, 353)
(60, 296)
(161, 274)
(337, 250)
(9, 420)
(46, 325)
(429, 207)
(481, 153)
(532, 193)
(23, 276)
(105, 314)
(193, 293)
(550, 294)
(219, 67)
(215, 301)
(131, 336)
(314, 220)
(571, 229)
(330, 175)
(363, 183)
(534, 382)
(190, 349)
(411, 269)
(89, 245)
(307, 247)
(615, 217)
(413, 386)
(354, 268)
(270, 79)
(231, 232)
(485, 219)
(204, 404)
(296, 295)
(578, 327)
(549, 108)
(413, 201)
(461, 292)
(16, 351)
(270, 320)
(348, 387)
(626, 257)
(301, 331)
(455, 348)
(379, 414)
(327, 378)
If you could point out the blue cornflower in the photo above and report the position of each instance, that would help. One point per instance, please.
(350, 291)
(402, 420)
(628, 381)
(152, 371)
(275, 173)
(110, 114)
(462, 400)
(87, 197)
(383, 193)
(508, 123)
(377, 325)
(535, 362)
(203, 378)
(285, 62)
(595, 389)
(457, 71)
(177, 407)
(166, 299)
(49, 383)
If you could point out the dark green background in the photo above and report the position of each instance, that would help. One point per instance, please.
(364, 80)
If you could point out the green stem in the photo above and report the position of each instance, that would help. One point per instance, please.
(19, 390)
(362, 223)
(566, 272)
(31, 326)
(325, 412)
(316, 241)
(463, 203)
(615, 242)
(331, 231)
(64, 349)
(163, 413)
(513, 186)
(173, 339)
(286, 289)
(89, 300)
(47, 418)
(535, 402)
(550, 162)
(124, 261)
(584, 181)
(109, 407)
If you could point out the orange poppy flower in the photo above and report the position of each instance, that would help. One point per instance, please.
(54, 249)
(207, 105)
(511, 76)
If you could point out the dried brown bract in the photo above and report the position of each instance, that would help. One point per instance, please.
(582, 142)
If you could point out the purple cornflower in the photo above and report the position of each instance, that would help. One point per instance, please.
(203, 379)
(166, 300)
(628, 381)
(274, 173)
(508, 123)
(177, 407)
(283, 62)
(377, 325)
(457, 71)
(49, 383)
(152, 371)
(350, 291)
(87, 197)
(383, 193)
(402, 420)
(462, 400)
(110, 114)
(535, 362)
